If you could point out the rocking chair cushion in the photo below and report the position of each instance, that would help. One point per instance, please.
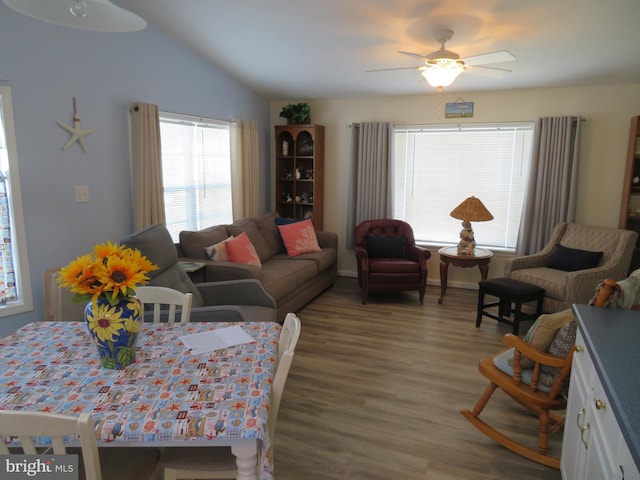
(504, 362)
(560, 347)
(544, 330)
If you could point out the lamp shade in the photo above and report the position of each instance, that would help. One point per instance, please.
(443, 72)
(472, 210)
(99, 15)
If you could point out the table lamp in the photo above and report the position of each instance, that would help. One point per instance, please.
(471, 210)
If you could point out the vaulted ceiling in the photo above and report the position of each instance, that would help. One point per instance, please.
(302, 49)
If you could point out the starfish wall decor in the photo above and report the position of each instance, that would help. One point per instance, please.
(77, 134)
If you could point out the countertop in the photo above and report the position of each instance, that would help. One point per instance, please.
(613, 342)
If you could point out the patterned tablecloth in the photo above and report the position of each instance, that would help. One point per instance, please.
(167, 397)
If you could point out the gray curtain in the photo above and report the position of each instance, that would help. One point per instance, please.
(371, 182)
(550, 196)
(147, 191)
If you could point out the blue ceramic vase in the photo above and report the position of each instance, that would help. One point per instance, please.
(114, 329)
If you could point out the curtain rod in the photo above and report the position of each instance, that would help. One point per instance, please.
(582, 119)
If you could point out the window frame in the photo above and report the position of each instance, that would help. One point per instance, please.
(24, 303)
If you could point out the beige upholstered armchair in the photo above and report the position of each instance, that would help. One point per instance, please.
(579, 245)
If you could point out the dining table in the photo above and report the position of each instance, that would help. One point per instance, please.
(170, 396)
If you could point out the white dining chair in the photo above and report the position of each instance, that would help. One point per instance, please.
(125, 463)
(161, 297)
(204, 463)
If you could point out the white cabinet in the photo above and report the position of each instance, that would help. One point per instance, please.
(572, 462)
(593, 447)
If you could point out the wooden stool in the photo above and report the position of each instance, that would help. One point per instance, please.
(509, 291)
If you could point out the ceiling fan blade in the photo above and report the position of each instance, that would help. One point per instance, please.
(486, 71)
(389, 69)
(493, 57)
(411, 54)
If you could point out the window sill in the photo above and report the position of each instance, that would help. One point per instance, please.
(15, 309)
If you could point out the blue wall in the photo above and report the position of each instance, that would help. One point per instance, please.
(46, 66)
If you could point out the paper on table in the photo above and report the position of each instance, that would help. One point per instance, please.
(216, 339)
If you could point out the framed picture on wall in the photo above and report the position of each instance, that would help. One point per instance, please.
(458, 110)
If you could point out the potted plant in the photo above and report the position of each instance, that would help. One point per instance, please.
(296, 113)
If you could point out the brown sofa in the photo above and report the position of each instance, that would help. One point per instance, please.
(291, 281)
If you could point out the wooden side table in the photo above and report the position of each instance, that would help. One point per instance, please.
(449, 255)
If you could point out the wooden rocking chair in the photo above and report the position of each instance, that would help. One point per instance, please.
(524, 386)
(541, 402)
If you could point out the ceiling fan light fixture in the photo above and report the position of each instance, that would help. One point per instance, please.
(96, 15)
(442, 72)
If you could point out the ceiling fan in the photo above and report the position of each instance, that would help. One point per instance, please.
(442, 67)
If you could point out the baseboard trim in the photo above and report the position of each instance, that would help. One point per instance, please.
(430, 281)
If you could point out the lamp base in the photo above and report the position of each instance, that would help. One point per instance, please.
(467, 243)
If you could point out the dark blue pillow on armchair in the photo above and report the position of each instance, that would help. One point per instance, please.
(572, 259)
(385, 247)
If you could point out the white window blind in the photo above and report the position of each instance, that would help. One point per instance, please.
(437, 167)
(196, 169)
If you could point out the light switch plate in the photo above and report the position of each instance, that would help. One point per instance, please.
(82, 193)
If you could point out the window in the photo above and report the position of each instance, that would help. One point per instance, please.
(437, 167)
(15, 283)
(196, 171)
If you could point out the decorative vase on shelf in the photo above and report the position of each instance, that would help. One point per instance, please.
(114, 329)
(285, 148)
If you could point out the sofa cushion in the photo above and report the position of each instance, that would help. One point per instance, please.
(155, 243)
(299, 238)
(194, 244)
(248, 226)
(303, 270)
(279, 278)
(177, 279)
(572, 259)
(241, 250)
(325, 259)
(266, 224)
(553, 281)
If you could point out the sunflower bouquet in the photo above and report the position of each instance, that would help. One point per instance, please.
(110, 271)
(106, 279)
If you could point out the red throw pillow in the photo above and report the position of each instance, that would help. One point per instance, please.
(299, 238)
(241, 250)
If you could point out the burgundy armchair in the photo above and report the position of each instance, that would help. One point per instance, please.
(389, 259)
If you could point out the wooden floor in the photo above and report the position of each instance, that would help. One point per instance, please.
(375, 390)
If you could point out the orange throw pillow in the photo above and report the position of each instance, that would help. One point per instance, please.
(241, 250)
(299, 238)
